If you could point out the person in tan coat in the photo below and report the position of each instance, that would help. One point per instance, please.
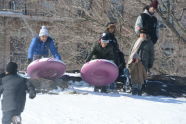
(138, 74)
(136, 66)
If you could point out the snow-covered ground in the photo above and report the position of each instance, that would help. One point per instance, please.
(10, 13)
(99, 108)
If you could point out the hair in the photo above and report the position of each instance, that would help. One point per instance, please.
(146, 7)
(110, 26)
(11, 68)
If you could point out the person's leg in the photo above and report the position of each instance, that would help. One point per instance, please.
(139, 89)
(104, 89)
(126, 80)
(112, 86)
(96, 89)
(7, 117)
(16, 119)
(134, 89)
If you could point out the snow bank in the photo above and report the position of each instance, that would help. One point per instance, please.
(99, 108)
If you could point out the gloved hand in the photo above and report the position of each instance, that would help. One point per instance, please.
(29, 61)
(32, 94)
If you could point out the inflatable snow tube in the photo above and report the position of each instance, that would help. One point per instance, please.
(48, 68)
(99, 72)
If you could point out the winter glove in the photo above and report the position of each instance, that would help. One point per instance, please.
(29, 61)
(32, 94)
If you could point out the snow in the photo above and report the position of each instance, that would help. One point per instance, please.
(73, 74)
(80, 105)
(10, 13)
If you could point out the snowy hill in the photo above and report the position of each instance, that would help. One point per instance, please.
(80, 105)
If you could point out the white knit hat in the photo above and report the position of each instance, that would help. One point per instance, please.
(43, 31)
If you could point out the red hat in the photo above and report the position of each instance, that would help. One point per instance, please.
(154, 4)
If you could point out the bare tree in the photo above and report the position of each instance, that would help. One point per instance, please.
(76, 24)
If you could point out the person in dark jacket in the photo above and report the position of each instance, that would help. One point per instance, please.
(120, 60)
(13, 88)
(40, 45)
(102, 50)
(148, 21)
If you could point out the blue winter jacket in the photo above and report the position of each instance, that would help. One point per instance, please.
(37, 47)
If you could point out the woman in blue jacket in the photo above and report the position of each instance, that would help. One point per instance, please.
(40, 46)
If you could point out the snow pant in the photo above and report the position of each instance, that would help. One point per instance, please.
(7, 116)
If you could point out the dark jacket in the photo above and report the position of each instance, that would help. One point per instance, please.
(149, 23)
(101, 53)
(37, 47)
(146, 53)
(13, 88)
(119, 56)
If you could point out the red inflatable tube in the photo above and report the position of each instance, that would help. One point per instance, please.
(99, 72)
(48, 68)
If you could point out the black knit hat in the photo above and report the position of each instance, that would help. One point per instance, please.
(11, 68)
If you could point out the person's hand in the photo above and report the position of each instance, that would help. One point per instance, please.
(135, 60)
(32, 94)
(29, 61)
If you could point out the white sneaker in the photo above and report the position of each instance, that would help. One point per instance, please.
(16, 119)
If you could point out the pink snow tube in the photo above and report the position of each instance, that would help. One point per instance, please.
(99, 72)
(48, 68)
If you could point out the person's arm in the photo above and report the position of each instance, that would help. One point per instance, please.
(53, 50)
(157, 29)
(32, 48)
(138, 24)
(31, 89)
(151, 56)
(92, 52)
(1, 87)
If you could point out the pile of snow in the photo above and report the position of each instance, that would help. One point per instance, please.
(80, 105)
(10, 13)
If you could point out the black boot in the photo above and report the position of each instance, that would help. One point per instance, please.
(139, 92)
(96, 89)
(104, 89)
(134, 91)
